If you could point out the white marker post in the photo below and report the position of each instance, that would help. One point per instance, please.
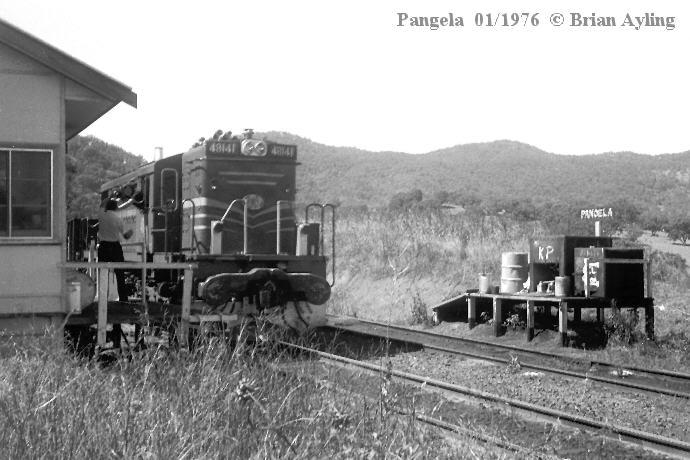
(597, 214)
(471, 312)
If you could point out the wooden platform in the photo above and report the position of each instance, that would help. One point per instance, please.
(153, 313)
(128, 312)
(497, 302)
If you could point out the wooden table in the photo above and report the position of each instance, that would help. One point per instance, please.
(563, 303)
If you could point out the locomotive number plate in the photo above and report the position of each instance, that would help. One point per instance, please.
(223, 147)
(283, 151)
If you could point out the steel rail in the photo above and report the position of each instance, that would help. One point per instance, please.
(459, 430)
(643, 439)
(661, 372)
(575, 374)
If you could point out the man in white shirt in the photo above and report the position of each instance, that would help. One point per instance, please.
(109, 249)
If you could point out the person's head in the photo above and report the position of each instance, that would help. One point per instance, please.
(109, 204)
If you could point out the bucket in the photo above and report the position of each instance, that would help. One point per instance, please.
(514, 271)
(562, 286)
(80, 290)
(74, 296)
(485, 286)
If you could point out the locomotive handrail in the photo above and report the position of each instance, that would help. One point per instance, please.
(306, 219)
(323, 212)
(328, 205)
(192, 246)
(279, 206)
(219, 225)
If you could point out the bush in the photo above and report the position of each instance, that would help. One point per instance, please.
(418, 311)
(669, 267)
(622, 327)
(679, 230)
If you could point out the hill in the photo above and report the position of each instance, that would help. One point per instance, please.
(491, 176)
(494, 171)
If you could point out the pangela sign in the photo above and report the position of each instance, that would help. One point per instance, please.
(598, 213)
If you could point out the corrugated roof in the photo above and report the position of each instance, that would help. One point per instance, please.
(66, 65)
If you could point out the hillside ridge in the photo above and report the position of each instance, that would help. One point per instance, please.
(497, 170)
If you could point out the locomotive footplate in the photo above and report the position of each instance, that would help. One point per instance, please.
(271, 286)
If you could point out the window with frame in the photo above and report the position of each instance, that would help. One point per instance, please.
(26, 180)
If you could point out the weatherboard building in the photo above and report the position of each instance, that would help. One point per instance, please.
(46, 98)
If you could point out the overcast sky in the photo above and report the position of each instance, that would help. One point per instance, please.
(344, 73)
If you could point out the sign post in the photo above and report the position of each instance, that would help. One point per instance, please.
(597, 214)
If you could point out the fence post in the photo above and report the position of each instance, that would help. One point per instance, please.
(530, 320)
(471, 312)
(563, 322)
(498, 316)
(103, 278)
(186, 308)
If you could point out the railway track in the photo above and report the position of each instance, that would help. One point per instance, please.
(435, 422)
(654, 381)
(660, 444)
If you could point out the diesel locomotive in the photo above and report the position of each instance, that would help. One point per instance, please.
(228, 205)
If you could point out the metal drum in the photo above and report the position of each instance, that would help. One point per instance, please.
(514, 271)
(485, 284)
(562, 286)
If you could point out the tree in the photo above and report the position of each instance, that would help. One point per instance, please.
(405, 200)
(653, 221)
(90, 162)
(680, 230)
(625, 213)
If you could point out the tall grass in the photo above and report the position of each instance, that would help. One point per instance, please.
(399, 259)
(217, 402)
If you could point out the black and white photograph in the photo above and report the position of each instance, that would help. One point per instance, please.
(348, 230)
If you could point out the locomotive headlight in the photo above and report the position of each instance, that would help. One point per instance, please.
(254, 201)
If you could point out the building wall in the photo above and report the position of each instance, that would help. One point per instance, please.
(32, 116)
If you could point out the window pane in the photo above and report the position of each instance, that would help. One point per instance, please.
(30, 191)
(30, 185)
(30, 165)
(30, 221)
(4, 158)
(169, 189)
